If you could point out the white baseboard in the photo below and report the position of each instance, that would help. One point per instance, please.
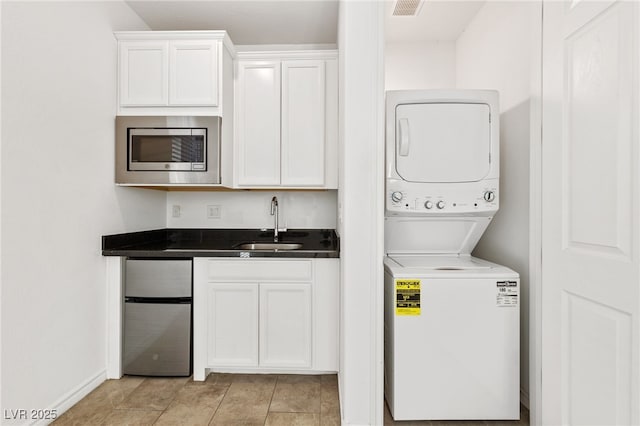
(262, 370)
(524, 398)
(341, 400)
(71, 398)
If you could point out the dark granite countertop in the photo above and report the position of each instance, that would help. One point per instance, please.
(179, 243)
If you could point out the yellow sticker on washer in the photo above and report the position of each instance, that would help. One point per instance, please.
(407, 297)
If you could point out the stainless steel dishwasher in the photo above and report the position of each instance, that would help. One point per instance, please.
(157, 317)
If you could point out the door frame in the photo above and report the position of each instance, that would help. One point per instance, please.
(535, 222)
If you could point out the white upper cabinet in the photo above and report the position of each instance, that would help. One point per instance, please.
(303, 123)
(286, 120)
(144, 73)
(193, 73)
(258, 139)
(173, 72)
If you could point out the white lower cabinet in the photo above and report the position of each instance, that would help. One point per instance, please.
(265, 315)
(285, 325)
(232, 319)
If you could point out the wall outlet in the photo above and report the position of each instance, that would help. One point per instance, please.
(214, 212)
(175, 210)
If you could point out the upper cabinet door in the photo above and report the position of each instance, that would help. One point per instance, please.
(193, 73)
(176, 73)
(303, 123)
(144, 73)
(286, 130)
(258, 129)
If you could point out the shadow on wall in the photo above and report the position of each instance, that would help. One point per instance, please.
(513, 215)
(506, 240)
(140, 209)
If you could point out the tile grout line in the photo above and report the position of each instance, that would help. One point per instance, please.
(127, 395)
(131, 391)
(271, 399)
(173, 399)
(220, 403)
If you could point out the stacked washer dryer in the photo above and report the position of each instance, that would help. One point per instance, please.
(451, 320)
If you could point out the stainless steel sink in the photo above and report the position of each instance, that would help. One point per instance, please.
(269, 246)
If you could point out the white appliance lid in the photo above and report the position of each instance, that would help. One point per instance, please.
(443, 141)
(433, 235)
(440, 263)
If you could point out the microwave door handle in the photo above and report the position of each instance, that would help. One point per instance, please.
(404, 137)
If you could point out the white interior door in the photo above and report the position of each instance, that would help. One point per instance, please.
(590, 214)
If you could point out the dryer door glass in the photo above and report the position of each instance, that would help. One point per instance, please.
(443, 142)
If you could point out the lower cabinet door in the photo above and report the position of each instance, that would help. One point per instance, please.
(285, 325)
(232, 318)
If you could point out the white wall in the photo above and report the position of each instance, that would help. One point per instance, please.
(251, 209)
(420, 65)
(58, 195)
(360, 199)
(495, 52)
(1, 405)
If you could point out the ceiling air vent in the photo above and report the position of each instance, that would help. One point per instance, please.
(407, 7)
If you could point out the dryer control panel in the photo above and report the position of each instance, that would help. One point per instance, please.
(406, 198)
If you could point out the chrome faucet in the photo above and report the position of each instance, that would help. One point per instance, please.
(274, 213)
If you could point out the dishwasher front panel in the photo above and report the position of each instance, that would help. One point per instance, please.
(157, 339)
(158, 278)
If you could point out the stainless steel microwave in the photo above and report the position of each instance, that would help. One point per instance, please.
(157, 150)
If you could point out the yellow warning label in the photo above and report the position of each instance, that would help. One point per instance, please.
(407, 297)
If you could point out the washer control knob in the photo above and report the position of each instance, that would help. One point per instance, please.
(396, 196)
(489, 196)
(428, 205)
(440, 204)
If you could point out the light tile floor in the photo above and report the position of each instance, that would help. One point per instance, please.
(223, 399)
(226, 399)
(524, 421)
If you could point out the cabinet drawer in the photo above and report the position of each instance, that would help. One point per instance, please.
(260, 270)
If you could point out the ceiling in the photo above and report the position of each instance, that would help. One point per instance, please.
(247, 21)
(299, 21)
